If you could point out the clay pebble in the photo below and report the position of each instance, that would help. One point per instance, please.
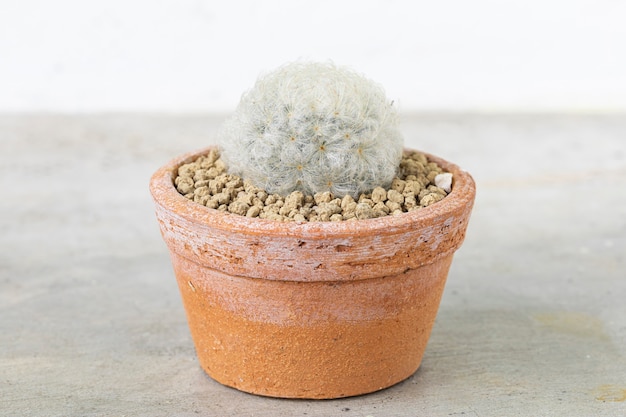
(418, 184)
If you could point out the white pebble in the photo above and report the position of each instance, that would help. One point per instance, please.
(444, 181)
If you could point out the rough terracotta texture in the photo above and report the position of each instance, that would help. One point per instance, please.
(310, 310)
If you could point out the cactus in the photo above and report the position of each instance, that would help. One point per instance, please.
(313, 127)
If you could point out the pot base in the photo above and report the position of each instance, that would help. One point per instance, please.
(315, 340)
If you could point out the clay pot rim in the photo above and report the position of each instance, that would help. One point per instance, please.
(165, 194)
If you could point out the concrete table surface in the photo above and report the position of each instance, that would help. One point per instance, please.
(532, 322)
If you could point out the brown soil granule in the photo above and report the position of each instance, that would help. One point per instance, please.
(206, 181)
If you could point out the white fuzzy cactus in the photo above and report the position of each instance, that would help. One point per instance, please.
(313, 127)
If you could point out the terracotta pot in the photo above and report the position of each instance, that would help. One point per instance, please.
(310, 310)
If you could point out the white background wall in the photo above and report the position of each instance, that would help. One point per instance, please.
(195, 55)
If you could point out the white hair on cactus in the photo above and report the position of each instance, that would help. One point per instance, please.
(313, 127)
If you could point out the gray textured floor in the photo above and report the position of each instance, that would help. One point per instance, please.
(533, 321)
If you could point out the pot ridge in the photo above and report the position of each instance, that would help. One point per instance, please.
(292, 251)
